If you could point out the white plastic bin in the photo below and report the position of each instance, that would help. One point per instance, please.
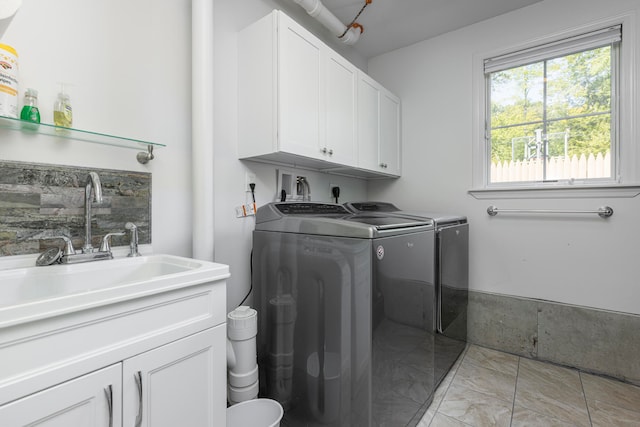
(255, 413)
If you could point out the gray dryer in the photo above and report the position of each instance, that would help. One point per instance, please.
(451, 261)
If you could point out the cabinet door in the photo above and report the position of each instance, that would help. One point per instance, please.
(91, 400)
(389, 142)
(378, 127)
(179, 384)
(368, 123)
(300, 89)
(340, 145)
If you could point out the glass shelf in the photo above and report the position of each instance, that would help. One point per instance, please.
(75, 134)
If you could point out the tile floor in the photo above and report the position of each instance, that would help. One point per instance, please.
(490, 388)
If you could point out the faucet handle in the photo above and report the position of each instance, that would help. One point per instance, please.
(105, 246)
(68, 245)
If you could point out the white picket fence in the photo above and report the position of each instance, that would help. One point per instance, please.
(561, 167)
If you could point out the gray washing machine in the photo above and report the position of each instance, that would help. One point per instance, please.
(346, 315)
(451, 263)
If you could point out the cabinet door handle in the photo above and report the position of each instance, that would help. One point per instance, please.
(138, 378)
(383, 165)
(331, 152)
(324, 150)
(108, 392)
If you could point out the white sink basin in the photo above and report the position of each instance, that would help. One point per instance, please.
(32, 293)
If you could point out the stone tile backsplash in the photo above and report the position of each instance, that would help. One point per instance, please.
(39, 201)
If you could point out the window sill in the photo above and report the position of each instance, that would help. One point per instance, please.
(559, 192)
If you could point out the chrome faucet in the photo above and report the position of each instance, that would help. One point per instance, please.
(92, 191)
(92, 187)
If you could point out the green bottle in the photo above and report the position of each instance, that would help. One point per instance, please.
(30, 110)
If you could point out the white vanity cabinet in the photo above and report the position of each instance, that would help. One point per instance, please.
(147, 353)
(174, 385)
(297, 97)
(378, 127)
(86, 401)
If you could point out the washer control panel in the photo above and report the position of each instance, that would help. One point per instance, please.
(311, 209)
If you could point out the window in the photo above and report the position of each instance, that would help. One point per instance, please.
(551, 112)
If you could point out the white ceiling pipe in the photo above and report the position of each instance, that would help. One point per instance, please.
(202, 131)
(323, 15)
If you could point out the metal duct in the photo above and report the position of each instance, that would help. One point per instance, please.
(323, 15)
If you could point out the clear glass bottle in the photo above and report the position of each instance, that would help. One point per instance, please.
(62, 112)
(30, 110)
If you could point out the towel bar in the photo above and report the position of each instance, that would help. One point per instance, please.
(603, 212)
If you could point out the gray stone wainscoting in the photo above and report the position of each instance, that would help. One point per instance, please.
(39, 201)
(592, 340)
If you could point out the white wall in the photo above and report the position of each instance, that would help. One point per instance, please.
(128, 64)
(577, 260)
(232, 235)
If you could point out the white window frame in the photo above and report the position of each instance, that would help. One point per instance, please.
(626, 183)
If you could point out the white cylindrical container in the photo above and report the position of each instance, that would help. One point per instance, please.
(8, 81)
(255, 413)
(242, 328)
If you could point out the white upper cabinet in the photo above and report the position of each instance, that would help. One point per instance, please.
(368, 123)
(340, 142)
(389, 144)
(378, 128)
(299, 92)
(298, 99)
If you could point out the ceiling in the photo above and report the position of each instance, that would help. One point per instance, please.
(392, 24)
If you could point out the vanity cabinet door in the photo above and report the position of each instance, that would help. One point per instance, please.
(90, 400)
(179, 384)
